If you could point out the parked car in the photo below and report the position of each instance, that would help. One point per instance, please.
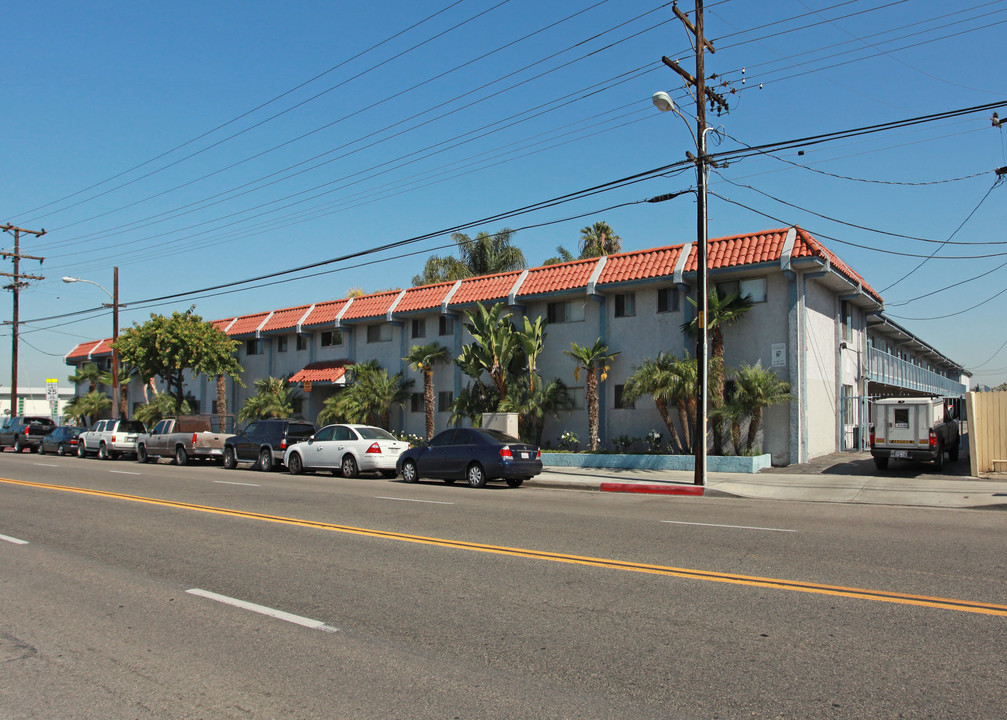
(263, 442)
(348, 449)
(62, 440)
(183, 438)
(109, 439)
(916, 429)
(474, 455)
(24, 431)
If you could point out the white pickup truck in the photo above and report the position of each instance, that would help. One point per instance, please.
(183, 439)
(914, 429)
(109, 439)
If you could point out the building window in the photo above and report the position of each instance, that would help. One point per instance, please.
(379, 333)
(331, 338)
(416, 403)
(847, 312)
(446, 325)
(754, 289)
(253, 346)
(281, 343)
(625, 305)
(564, 312)
(621, 403)
(444, 400)
(302, 341)
(419, 328)
(667, 300)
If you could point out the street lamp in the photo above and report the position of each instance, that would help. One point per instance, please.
(663, 102)
(115, 331)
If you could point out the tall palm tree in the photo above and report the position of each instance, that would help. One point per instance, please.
(592, 359)
(423, 358)
(599, 239)
(721, 311)
(488, 254)
(368, 397)
(124, 376)
(89, 373)
(670, 381)
(273, 398)
(757, 388)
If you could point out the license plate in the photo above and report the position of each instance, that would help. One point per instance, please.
(900, 453)
(216, 451)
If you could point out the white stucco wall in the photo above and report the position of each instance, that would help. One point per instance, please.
(820, 356)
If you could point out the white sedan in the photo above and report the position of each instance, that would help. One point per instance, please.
(350, 449)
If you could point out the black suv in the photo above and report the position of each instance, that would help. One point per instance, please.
(23, 431)
(263, 442)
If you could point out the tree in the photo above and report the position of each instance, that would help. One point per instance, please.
(599, 239)
(592, 359)
(485, 255)
(89, 373)
(166, 347)
(757, 388)
(721, 311)
(273, 398)
(532, 339)
(423, 358)
(532, 401)
(125, 374)
(161, 406)
(562, 255)
(495, 344)
(368, 396)
(87, 408)
(671, 382)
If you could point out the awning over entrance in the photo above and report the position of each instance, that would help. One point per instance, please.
(325, 371)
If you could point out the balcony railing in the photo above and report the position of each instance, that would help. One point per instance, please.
(890, 370)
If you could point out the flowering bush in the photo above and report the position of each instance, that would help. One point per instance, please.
(410, 438)
(654, 441)
(569, 441)
(622, 443)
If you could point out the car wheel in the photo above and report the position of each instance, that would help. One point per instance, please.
(514, 482)
(41, 449)
(295, 465)
(476, 476)
(409, 472)
(141, 454)
(349, 467)
(181, 457)
(60, 450)
(81, 449)
(881, 463)
(266, 460)
(230, 462)
(17, 445)
(102, 452)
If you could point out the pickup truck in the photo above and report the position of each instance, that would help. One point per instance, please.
(918, 429)
(20, 432)
(109, 439)
(183, 438)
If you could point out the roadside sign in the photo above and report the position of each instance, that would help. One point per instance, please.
(52, 394)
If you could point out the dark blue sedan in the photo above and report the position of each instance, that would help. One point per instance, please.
(471, 454)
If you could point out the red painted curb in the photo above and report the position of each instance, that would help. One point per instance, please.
(653, 489)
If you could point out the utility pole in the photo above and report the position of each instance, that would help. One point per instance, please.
(704, 95)
(15, 287)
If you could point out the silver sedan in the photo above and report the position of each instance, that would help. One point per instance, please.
(348, 449)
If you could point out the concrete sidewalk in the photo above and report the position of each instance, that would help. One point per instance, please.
(943, 492)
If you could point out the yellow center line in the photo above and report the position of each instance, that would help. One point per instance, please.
(776, 583)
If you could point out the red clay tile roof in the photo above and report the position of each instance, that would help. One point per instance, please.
(554, 278)
(640, 265)
(371, 306)
(323, 371)
(222, 324)
(485, 287)
(283, 319)
(324, 313)
(85, 348)
(807, 245)
(425, 297)
(247, 324)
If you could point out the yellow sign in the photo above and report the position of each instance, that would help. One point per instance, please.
(307, 386)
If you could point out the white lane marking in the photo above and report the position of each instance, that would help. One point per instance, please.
(228, 482)
(14, 540)
(262, 609)
(45, 464)
(736, 527)
(431, 502)
(124, 472)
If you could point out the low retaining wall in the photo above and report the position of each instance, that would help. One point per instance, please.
(714, 463)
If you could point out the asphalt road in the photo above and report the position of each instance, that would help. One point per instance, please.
(121, 588)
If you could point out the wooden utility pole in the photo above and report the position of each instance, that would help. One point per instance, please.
(704, 95)
(17, 282)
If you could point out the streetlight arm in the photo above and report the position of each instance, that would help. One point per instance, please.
(68, 279)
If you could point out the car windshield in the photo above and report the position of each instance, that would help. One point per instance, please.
(132, 426)
(501, 436)
(373, 433)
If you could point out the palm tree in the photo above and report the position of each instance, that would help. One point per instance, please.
(369, 394)
(533, 401)
(125, 375)
(755, 389)
(599, 239)
(89, 373)
(273, 398)
(87, 408)
(721, 311)
(495, 345)
(160, 406)
(592, 359)
(670, 381)
(562, 255)
(423, 358)
(485, 255)
(532, 339)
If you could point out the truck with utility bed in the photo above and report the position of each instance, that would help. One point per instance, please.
(184, 438)
(917, 429)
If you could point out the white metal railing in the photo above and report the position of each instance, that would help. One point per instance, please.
(890, 370)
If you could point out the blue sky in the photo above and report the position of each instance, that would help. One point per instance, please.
(193, 144)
